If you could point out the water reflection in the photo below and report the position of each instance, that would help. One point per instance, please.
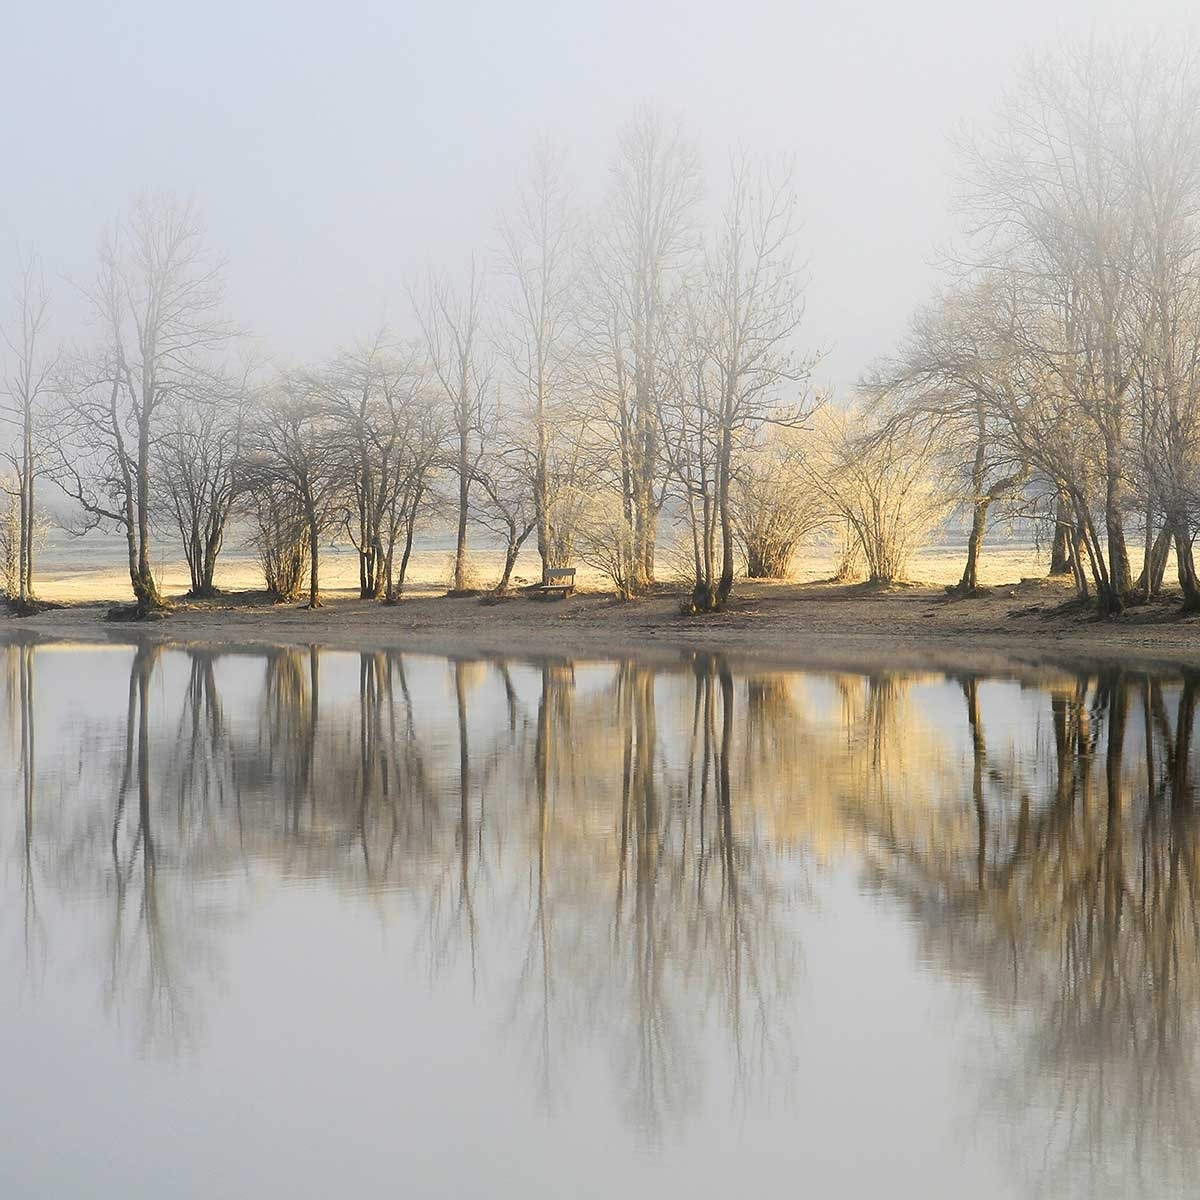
(1078, 902)
(621, 854)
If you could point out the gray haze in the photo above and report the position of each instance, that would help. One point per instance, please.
(335, 149)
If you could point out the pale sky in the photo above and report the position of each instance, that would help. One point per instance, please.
(335, 148)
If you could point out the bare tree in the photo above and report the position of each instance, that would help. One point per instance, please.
(1066, 363)
(387, 439)
(606, 542)
(643, 242)
(754, 281)
(280, 536)
(422, 447)
(540, 259)
(197, 458)
(155, 298)
(884, 481)
(452, 324)
(27, 385)
(506, 503)
(774, 506)
(1054, 211)
(735, 370)
(1161, 105)
(689, 414)
(291, 454)
(954, 384)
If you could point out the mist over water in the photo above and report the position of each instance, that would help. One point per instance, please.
(302, 923)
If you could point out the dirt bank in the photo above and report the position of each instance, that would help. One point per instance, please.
(802, 623)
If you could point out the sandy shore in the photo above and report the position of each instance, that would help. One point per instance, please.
(82, 574)
(802, 622)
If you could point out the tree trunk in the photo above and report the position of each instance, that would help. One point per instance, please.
(314, 580)
(1061, 559)
(704, 596)
(389, 586)
(541, 480)
(1109, 597)
(145, 589)
(724, 470)
(1118, 552)
(1075, 560)
(645, 519)
(1149, 582)
(643, 554)
(29, 593)
(212, 548)
(970, 576)
(25, 534)
(1187, 566)
(464, 496)
(510, 561)
(396, 590)
(365, 541)
(1142, 584)
(979, 511)
(404, 557)
(131, 548)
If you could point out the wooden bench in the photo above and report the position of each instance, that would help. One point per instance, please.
(559, 581)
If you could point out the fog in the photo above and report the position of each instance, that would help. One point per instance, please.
(334, 151)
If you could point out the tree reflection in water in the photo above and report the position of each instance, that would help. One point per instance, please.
(21, 751)
(619, 851)
(1077, 907)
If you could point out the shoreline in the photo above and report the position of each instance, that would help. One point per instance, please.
(780, 624)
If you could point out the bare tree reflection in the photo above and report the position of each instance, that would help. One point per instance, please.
(1078, 913)
(622, 846)
(146, 957)
(20, 702)
(695, 931)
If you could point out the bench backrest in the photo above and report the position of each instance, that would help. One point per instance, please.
(554, 573)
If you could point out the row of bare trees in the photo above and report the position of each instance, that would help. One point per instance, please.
(616, 368)
(601, 366)
(1061, 367)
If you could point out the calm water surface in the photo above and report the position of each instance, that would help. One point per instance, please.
(301, 923)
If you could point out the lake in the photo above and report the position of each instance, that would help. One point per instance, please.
(304, 923)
